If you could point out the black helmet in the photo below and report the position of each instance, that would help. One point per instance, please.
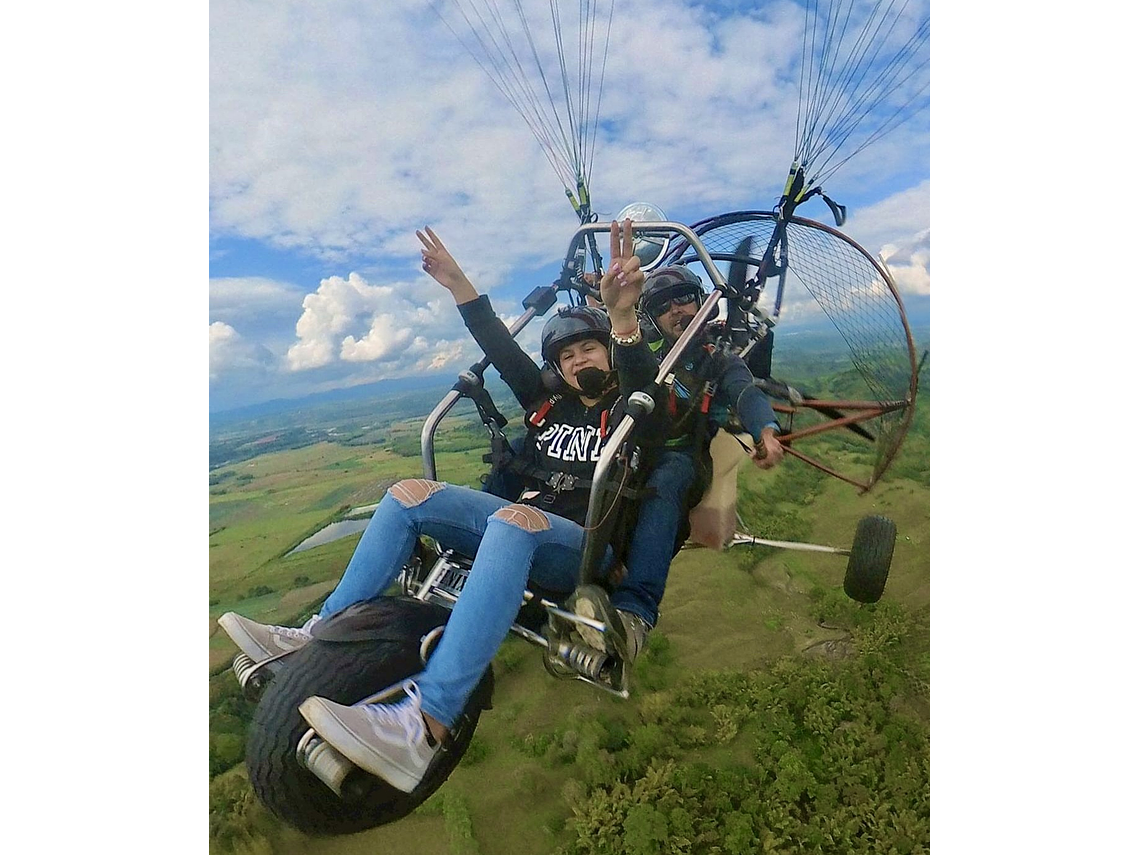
(665, 283)
(571, 324)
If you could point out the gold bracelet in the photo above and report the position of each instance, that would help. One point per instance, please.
(627, 340)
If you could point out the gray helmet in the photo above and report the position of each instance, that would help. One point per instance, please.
(571, 324)
(649, 250)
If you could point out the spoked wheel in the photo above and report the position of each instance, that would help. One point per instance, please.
(346, 670)
(870, 559)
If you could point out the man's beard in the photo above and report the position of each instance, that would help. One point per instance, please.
(678, 327)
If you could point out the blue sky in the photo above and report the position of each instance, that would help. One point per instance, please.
(337, 129)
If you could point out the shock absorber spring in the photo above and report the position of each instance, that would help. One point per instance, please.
(252, 677)
(587, 661)
(243, 666)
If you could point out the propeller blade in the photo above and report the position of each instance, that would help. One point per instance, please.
(778, 389)
(740, 272)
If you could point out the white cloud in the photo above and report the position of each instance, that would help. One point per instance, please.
(329, 314)
(898, 229)
(322, 140)
(230, 353)
(898, 218)
(383, 341)
(909, 264)
(353, 321)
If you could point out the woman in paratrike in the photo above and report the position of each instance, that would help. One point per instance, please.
(538, 537)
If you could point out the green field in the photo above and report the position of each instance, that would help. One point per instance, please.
(769, 714)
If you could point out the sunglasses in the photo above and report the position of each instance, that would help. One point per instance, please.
(662, 305)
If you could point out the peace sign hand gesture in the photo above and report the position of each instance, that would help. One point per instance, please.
(440, 266)
(621, 285)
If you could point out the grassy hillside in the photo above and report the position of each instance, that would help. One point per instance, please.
(769, 714)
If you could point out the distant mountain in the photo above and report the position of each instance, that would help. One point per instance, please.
(362, 392)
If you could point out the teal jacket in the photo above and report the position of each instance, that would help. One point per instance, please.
(711, 384)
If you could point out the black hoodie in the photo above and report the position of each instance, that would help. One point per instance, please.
(569, 438)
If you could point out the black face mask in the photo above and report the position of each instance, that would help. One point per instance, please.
(594, 381)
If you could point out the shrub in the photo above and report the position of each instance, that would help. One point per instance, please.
(237, 820)
(226, 751)
(835, 763)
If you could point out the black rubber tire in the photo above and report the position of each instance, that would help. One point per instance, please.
(345, 672)
(870, 559)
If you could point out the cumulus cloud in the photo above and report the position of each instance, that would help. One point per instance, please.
(230, 353)
(350, 320)
(384, 340)
(909, 264)
(897, 228)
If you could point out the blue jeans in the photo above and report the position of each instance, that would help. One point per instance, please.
(511, 544)
(651, 545)
(654, 535)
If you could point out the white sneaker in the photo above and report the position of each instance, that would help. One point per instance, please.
(261, 641)
(388, 740)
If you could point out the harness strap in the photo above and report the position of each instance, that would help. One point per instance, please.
(537, 417)
(501, 452)
(558, 481)
(700, 402)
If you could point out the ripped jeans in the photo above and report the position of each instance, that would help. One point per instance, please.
(511, 544)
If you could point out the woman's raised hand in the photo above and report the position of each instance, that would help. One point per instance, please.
(440, 266)
(622, 282)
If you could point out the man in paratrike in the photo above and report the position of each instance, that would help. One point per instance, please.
(703, 386)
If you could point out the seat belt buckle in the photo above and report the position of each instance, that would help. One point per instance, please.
(560, 481)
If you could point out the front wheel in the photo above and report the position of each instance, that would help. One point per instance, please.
(870, 559)
(347, 671)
